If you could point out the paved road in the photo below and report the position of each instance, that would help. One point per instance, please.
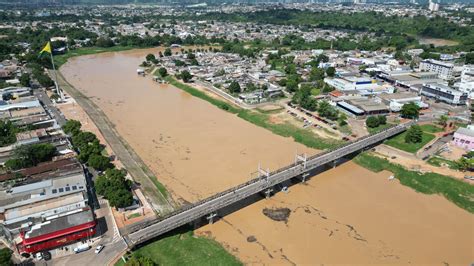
(132, 162)
(435, 147)
(50, 108)
(113, 243)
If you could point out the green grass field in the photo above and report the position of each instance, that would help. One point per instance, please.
(438, 161)
(303, 136)
(456, 191)
(399, 142)
(430, 128)
(183, 248)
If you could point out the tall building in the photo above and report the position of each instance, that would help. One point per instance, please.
(432, 6)
(443, 69)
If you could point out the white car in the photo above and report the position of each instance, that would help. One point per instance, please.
(98, 249)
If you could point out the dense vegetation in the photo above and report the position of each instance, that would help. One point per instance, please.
(401, 29)
(30, 155)
(115, 188)
(112, 184)
(7, 133)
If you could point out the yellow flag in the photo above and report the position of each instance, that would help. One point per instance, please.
(47, 48)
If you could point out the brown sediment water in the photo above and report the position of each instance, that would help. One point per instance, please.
(344, 215)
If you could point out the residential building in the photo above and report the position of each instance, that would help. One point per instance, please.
(444, 93)
(443, 69)
(464, 138)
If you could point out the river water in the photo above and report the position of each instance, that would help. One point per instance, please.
(344, 215)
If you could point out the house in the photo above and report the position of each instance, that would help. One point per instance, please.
(464, 138)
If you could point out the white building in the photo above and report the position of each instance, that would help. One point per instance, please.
(443, 69)
(433, 6)
(444, 93)
(365, 85)
(397, 100)
(467, 81)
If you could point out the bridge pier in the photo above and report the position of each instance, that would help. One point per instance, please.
(211, 216)
(268, 192)
(303, 177)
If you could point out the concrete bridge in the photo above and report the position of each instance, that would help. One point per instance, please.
(264, 183)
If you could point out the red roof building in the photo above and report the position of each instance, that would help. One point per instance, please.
(58, 231)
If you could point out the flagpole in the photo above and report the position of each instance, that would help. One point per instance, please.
(56, 77)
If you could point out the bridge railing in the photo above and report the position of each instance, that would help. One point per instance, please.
(255, 180)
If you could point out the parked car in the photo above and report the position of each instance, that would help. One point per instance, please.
(98, 249)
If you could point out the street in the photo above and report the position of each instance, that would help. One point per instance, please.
(108, 236)
(49, 106)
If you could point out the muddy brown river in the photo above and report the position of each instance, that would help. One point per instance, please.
(346, 215)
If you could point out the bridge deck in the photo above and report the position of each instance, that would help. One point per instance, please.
(220, 200)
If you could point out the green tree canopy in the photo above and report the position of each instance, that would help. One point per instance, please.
(163, 72)
(5, 257)
(410, 110)
(414, 134)
(186, 76)
(234, 87)
(99, 162)
(330, 71)
(72, 127)
(30, 155)
(7, 133)
(115, 187)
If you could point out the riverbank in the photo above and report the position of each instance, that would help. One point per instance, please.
(182, 247)
(456, 191)
(261, 119)
(345, 215)
(60, 60)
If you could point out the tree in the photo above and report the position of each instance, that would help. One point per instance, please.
(83, 139)
(150, 57)
(316, 74)
(163, 72)
(372, 122)
(465, 164)
(410, 110)
(115, 187)
(330, 71)
(104, 42)
(168, 52)
(7, 133)
(414, 134)
(186, 76)
(99, 162)
(443, 120)
(342, 119)
(72, 127)
(326, 110)
(5, 257)
(44, 80)
(382, 119)
(30, 155)
(138, 260)
(234, 87)
(291, 85)
(470, 58)
(25, 80)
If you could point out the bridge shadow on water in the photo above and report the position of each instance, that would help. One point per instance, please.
(248, 201)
